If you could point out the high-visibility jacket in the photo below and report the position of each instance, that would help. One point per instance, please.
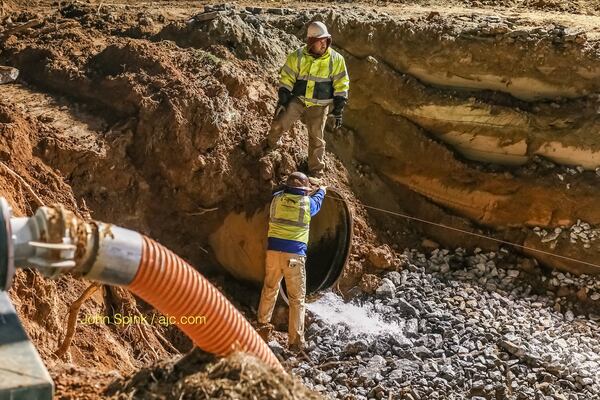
(289, 217)
(315, 80)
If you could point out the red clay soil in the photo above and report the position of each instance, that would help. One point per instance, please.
(179, 146)
(43, 304)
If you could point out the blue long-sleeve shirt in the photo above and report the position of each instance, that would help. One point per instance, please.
(293, 246)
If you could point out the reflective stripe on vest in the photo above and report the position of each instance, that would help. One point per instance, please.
(290, 217)
(332, 53)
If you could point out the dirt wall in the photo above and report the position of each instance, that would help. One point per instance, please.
(158, 125)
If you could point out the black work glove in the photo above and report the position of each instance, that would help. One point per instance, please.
(284, 98)
(339, 103)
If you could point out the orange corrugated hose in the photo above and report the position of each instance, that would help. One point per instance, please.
(176, 289)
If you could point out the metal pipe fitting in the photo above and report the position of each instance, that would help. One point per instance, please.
(117, 255)
(45, 241)
(55, 241)
(7, 251)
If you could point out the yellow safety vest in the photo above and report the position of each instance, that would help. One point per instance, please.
(290, 217)
(315, 80)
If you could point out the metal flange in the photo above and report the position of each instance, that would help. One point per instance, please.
(7, 250)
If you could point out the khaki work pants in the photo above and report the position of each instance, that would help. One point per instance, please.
(292, 268)
(314, 118)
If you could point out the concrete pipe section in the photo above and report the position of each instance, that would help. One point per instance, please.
(240, 244)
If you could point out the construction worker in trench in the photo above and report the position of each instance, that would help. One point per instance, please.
(312, 81)
(289, 223)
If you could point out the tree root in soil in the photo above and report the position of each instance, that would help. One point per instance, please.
(26, 185)
(72, 321)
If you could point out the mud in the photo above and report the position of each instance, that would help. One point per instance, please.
(19, 134)
(171, 108)
(43, 304)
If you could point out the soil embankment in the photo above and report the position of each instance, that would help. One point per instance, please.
(155, 118)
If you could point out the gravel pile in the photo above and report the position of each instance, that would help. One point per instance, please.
(579, 232)
(452, 326)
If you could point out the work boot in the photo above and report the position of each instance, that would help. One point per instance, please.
(264, 330)
(296, 347)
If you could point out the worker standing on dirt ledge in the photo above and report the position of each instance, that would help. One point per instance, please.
(313, 78)
(289, 224)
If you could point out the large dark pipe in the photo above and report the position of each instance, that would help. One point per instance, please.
(240, 244)
(329, 246)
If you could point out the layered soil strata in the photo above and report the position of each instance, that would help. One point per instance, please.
(154, 119)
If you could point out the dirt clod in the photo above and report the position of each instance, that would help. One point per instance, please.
(369, 283)
(382, 257)
(199, 376)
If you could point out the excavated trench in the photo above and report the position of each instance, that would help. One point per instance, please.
(481, 122)
(493, 92)
(465, 109)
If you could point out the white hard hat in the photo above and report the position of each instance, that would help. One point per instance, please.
(317, 30)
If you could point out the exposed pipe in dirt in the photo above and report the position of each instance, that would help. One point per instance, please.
(55, 241)
(240, 243)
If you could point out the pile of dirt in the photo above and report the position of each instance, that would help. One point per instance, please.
(198, 376)
(179, 131)
(191, 111)
(245, 35)
(182, 121)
